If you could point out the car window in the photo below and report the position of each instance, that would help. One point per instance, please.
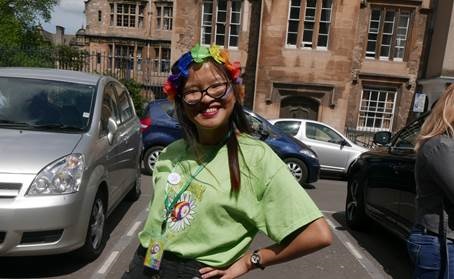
(290, 127)
(125, 106)
(109, 109)
(256, 125)
(322, 133)
(407, 137)
(168, 109)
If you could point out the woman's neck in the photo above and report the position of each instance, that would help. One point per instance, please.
(212, 136)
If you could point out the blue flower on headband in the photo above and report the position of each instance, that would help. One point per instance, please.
(184, 62)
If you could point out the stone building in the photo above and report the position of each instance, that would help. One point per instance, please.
(353, 64)
(59, 37)
(437, 71)
(130, 39)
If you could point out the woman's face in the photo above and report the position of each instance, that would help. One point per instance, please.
(210, 114)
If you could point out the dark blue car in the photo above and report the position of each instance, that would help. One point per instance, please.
(160, 128)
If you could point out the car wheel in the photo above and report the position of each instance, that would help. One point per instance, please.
(355, 214)
(151, 157)
(298, 169)
(96, 238)
(134, 193)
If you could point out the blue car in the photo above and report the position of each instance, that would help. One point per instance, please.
(160, 128)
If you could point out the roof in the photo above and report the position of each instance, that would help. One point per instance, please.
(51, 74)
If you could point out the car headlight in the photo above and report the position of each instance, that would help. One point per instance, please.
(309, 153)
(61, 177)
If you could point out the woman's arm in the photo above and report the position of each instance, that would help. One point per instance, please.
(306, 240)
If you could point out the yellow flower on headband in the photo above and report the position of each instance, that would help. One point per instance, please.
(215, 52)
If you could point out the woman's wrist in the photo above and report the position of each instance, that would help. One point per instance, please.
(248, 262)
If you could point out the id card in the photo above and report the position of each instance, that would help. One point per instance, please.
(154, 254)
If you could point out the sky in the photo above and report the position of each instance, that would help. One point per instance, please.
(69, 14)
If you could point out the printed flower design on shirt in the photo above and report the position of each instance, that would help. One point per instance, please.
(183, 213)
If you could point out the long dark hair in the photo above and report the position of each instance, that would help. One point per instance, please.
(237, 122)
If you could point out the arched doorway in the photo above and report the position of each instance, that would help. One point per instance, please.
(299, 107)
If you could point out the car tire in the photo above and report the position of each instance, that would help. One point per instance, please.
(96, 237)
(355, 213)
(298, 168)
(136, 190)
(150, 157)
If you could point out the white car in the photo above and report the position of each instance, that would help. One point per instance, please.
(335, 151)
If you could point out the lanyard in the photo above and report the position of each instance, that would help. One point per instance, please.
(170, 205)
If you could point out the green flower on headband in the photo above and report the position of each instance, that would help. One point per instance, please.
(199, 53)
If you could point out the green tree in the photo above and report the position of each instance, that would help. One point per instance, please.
(21, 42)
(135, 90)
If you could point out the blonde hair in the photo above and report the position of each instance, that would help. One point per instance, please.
(440, 120)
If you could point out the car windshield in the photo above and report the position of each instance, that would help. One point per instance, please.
(45, 105)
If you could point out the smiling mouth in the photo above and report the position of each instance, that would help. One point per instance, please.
(210, 112)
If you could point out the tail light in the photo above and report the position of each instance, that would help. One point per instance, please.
(145, 123)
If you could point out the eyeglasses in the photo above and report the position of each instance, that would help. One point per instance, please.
(216, 91)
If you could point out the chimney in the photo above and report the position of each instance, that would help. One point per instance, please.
(59, 35)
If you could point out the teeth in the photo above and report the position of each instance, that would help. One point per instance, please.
(211, 110)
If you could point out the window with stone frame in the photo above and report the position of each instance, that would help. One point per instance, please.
(164, 15)
(123, 56)
(221, 22)
(388, 33)
(127, 15)
(309, 23)
(376, 111)
(161, 60)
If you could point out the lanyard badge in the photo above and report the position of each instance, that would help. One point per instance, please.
(154, 254)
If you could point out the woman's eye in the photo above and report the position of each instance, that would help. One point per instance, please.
(217, 85)
(194, 91)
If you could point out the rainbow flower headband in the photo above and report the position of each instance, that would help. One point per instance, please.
(199, 54)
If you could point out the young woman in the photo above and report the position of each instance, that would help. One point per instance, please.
(430, 242)
(217, 187)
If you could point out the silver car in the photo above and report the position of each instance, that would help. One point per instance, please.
(70, 149)
(335, 151)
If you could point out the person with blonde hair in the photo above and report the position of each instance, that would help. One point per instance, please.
(430, 243)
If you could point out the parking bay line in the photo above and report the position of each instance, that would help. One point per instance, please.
(121, 245)
(367, 264)
(134, 228)
(108, 262)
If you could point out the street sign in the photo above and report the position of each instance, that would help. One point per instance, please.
(420, 101)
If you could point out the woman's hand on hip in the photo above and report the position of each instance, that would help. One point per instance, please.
(240, 267)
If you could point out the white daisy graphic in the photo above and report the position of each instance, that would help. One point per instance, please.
(183, 213)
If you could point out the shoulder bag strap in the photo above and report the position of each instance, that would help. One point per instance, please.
(442, 228)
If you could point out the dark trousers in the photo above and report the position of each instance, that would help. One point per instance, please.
(172, 267)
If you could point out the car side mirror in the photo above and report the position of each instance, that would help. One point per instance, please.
(382, 138)
(343, 143)
(263, 133)
(112, 128)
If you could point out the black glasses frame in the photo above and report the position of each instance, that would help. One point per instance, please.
(205, 92)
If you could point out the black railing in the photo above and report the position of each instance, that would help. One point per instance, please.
(363, 136)
(151, 73)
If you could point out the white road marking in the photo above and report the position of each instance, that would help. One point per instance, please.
(343, 236)
(353, 250)
(134, 228)
(108, 262)
(328, 211)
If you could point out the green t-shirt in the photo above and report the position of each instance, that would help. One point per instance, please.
(211, 224)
